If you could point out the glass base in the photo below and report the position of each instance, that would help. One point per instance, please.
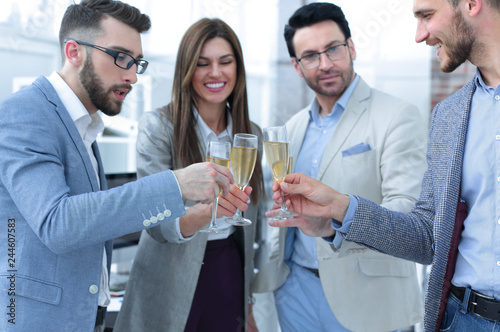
(214, 230)
(284, 214)
(238, 221)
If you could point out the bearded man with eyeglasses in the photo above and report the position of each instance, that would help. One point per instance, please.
(58, 220)
(362, 142)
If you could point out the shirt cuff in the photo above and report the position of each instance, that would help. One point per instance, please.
(342, 228)
(178, 186)
(165, 231)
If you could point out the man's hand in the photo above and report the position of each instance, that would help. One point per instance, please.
(310, 226)
(201, 181)
(310, 197)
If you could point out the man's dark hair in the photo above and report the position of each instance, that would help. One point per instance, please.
(83, 21)
(311, 14)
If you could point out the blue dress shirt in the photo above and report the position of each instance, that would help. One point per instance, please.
(311, 152)
(478, 260)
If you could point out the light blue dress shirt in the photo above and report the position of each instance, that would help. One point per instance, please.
(311, 152)
(478, 260)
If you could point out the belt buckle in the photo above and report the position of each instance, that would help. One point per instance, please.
(473, 301)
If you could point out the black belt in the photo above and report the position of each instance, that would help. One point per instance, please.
(479, 304)
(315, 271)
(101, 313)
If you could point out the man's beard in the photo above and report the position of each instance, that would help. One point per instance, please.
(344, 84)
(462, 39)
(98, 94)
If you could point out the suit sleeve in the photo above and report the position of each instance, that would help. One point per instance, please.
(154, 154)
(402, 161)
(44, 177)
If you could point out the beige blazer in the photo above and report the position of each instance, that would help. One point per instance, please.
(366, 290)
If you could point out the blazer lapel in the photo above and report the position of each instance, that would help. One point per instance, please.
(354, 109)
(448, 226)
(52, 97)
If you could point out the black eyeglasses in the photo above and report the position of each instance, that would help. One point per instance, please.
(334, 53)
(122, 59)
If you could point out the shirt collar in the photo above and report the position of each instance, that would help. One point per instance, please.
(207, 133)
(339, 106)
(481, 85)
(89, 126)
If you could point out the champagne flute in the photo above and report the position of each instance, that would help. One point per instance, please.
(218, 153)
(277, 155)
(243, 162)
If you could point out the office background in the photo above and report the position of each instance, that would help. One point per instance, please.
(383, 33)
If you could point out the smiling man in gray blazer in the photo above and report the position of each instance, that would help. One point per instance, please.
(360, 141)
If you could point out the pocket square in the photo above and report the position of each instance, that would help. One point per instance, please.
(356, 149)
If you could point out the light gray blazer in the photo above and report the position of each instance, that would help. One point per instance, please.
(377, 151)
(60, 222)
(165, 272)
(426, 234)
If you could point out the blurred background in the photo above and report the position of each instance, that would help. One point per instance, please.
(383, 33)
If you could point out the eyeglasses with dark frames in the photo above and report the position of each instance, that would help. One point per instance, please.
(122, 59)
(333, 53)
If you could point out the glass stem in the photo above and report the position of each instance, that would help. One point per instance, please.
(238, 212)
(213, 223)
(283, 204)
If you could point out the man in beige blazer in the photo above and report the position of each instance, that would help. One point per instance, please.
(360, 141)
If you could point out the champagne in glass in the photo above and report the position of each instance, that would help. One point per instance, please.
(218, 153)
(277, 155)
(244, 155)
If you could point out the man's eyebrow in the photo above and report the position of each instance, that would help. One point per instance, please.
(327, 46)
(126, 50)
(421, 12)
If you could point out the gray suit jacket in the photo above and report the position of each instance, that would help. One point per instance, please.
(165, 272)
(425, 234)
(377, 151)
(59, 221)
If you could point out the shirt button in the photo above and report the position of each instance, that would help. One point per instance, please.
(167, 213)
(497, 137)
(498, 179)
(93, 289)
(498, 263)
(498, 221)
(497, 97)
(146, 222)
(324, 132)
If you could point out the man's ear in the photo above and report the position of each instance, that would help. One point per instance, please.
(74, 53)
(473, 7)
(350, 44)
(297, 67)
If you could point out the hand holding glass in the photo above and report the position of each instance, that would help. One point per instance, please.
(243, 163)
(218, 153)
(277, 155)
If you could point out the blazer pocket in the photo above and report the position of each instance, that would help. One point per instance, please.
(356, 149)
(38, 290)
(384, 267)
